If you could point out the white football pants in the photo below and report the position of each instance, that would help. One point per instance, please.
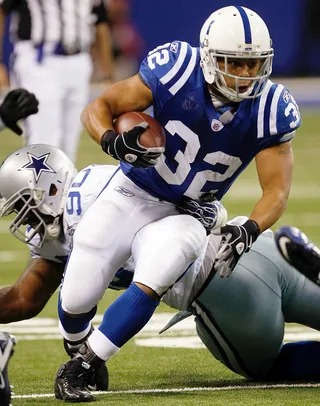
(125, 220)
(61, 84)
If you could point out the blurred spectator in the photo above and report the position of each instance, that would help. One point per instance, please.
(128, 46)
(52, 40)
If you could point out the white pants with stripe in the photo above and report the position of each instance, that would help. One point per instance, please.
(125, 220)
(241, 319)
(61, 84)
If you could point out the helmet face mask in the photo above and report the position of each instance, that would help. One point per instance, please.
(235, 33)
(34, 185)
(27, 212)
(255, 83)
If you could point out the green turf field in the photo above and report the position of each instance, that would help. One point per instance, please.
(146, 371)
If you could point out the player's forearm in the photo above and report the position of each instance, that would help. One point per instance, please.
(97, 118)
(30, 293)
(4, 291)
(127, 95)
(269, 209)
(11, 306)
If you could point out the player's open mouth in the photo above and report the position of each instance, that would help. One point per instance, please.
(243, 89)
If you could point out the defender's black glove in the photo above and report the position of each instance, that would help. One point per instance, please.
(126, 147)
(235, 241)
(17, 105)
(121, 280)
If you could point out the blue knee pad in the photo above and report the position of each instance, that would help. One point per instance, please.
(74, 324)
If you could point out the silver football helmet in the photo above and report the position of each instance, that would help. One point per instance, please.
(235, 32)
(34, 184)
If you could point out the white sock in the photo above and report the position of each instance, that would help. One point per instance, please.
(101, 345)
(74, 336)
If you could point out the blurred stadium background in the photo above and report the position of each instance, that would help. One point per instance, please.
(178, 360)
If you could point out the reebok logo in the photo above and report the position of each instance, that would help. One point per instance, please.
(123, 191)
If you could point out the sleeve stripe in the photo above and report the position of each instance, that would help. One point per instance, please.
(262, 104)
(288, 136)
(176, 67)
(192, 63)
(274, 109)
(219, 341)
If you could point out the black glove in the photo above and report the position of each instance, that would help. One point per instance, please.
(126, 147)
(210, 214)
(235, 241)
(121, 280)
(17, 105)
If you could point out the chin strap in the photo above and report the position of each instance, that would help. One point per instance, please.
(53, 230)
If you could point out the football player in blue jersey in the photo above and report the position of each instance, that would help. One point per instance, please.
(219, 111)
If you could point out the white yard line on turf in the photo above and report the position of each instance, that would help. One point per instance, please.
(12, 256)
(173, 390)
(181, 335)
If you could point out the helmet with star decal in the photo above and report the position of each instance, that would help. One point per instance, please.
(34, 184)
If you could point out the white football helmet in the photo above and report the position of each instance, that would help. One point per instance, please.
(235, 32)
(34, 184)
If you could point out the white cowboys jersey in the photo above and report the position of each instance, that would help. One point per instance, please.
(84, 190)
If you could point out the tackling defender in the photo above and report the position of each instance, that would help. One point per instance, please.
(39, 184)
(17, 105)
(219, 110)
(264, 292)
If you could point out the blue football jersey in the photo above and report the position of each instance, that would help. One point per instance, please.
(202, 153)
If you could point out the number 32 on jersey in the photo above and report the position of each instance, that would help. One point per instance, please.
(186, 158)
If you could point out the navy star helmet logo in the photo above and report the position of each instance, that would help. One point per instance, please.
(38, 165)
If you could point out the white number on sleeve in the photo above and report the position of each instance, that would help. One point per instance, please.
(292, 108)
(159, 55)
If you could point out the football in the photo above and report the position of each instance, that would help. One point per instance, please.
(154, 136)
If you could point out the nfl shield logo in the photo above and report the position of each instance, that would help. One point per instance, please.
(216, 125)
(286, 96)
(174, 47)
